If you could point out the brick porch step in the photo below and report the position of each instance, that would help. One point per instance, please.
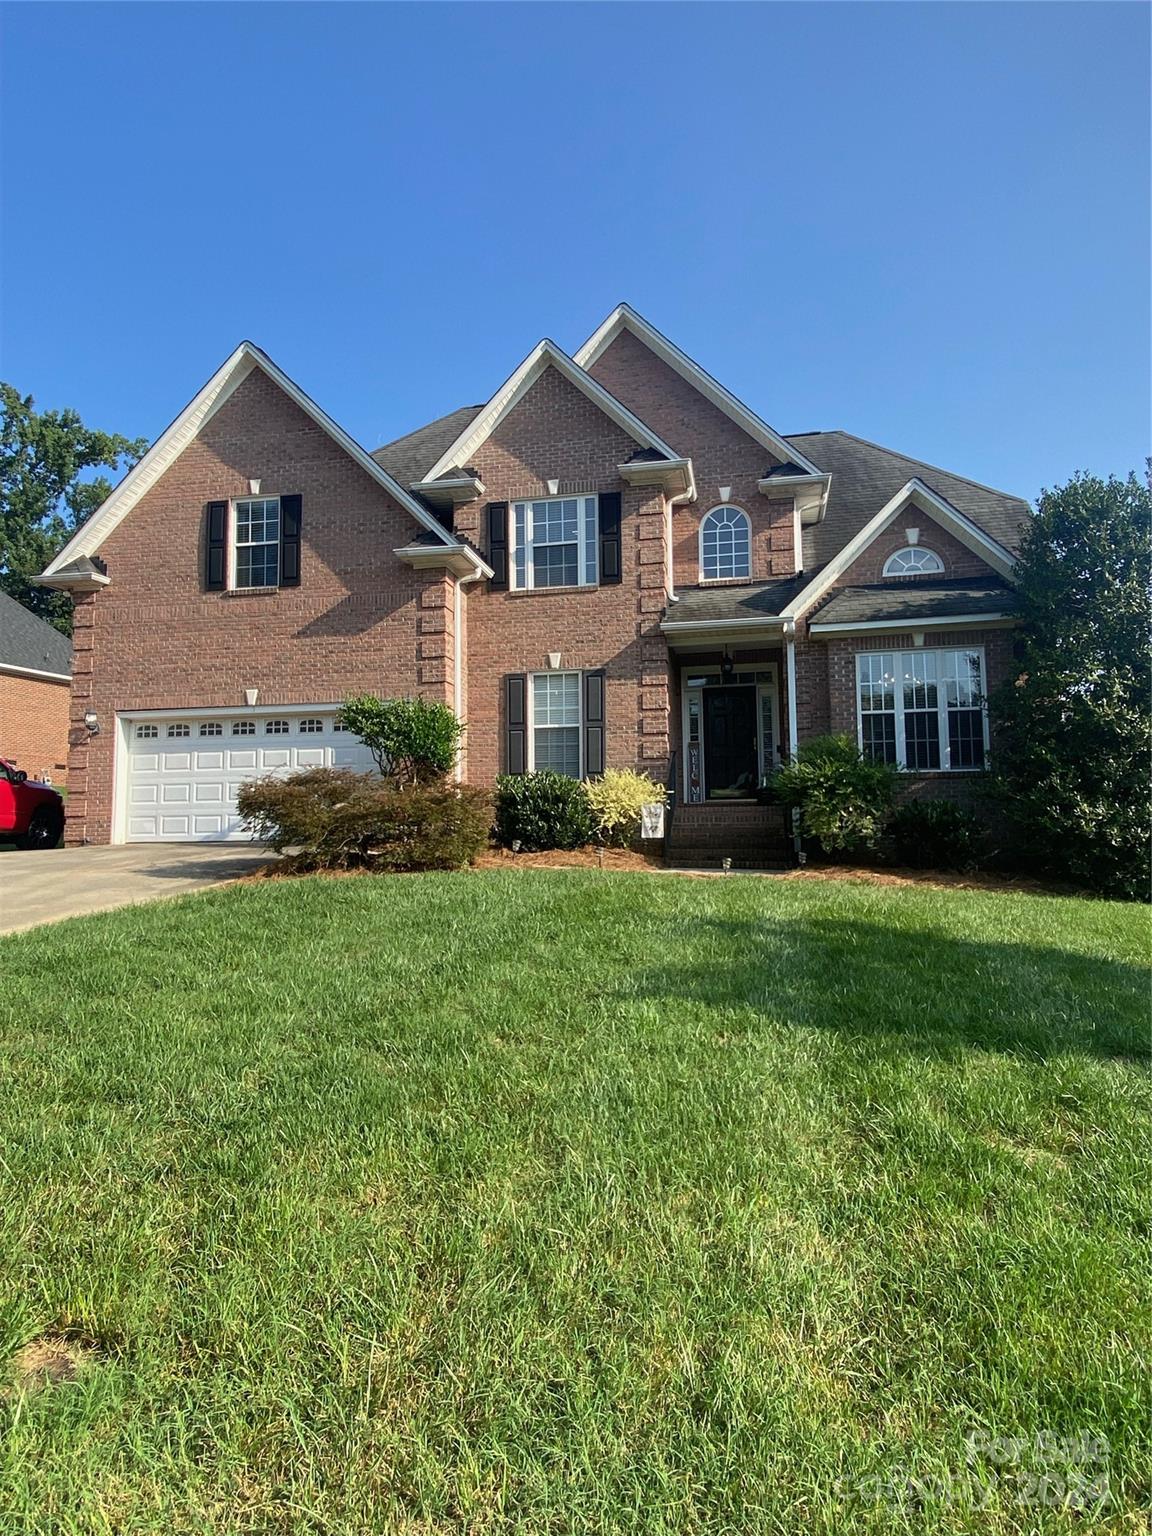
(752, 836)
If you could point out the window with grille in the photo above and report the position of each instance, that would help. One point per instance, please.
(923, 710)
(725, 544)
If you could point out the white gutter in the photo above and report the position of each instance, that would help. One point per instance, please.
(50, 677)
(945, 621)
(790, 663)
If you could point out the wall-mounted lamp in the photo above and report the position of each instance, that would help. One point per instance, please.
(250, 697)
(554, 660)
(91, 723)
(727, 667)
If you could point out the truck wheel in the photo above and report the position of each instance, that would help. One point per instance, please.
(44, 830)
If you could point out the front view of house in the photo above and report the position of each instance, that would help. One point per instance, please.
(613, 562)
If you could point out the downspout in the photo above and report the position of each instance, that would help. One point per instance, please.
(458, 658)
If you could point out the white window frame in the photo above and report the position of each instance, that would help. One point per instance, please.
(724, 506)
(587, 542)
(533, 727)
(896, 662)
(234, 545)
(917, 549)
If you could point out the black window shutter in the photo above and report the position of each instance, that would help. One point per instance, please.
(290, 540)
(498, 546)
(593, 723)
(216, 546)
(516, 723)
(610, 538)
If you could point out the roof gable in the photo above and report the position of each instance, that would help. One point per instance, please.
(196, 414)
(624, 317)
(545, 355)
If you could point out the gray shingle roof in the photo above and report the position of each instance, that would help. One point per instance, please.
(409, 458)
(916, 600)
(27, 641)
(865, 476)
(755, 600)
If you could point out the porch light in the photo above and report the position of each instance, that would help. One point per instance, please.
(727, 667)
(91, 722)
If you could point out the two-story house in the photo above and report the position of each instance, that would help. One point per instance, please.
(612, 562)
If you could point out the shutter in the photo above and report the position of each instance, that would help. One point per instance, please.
(610, 538)
(498, 543)
(290, 540)
(216, 546)
(516, 723)
(593, 722)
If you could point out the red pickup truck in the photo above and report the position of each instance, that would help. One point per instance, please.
(31, 814)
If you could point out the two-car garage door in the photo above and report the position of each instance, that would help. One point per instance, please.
(182, 772)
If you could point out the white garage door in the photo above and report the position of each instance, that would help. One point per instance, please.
(183, 771)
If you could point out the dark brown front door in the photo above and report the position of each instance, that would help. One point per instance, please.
(730, 766)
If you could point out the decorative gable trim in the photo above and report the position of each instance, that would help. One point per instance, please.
(193, 418)
(915, 492)
(624, 317)
(545, 355)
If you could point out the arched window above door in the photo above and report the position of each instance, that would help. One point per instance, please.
(725, 544)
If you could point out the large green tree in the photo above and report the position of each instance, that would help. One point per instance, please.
(47, 490)
(1074, 723)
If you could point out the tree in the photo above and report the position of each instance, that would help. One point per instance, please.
(1073, 724)
(47, 492)
(412, 740)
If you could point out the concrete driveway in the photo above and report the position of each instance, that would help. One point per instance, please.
(44, 886)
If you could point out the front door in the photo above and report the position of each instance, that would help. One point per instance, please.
(730, 760)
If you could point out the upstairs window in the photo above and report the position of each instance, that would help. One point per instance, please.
(256, 542)
(914, 561)
(554, 542)
(725, 544)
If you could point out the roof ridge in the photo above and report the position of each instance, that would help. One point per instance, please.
(936, 469)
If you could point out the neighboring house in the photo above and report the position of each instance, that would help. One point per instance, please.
(613, 562)
(35, 673)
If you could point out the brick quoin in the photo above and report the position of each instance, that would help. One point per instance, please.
(34, 725)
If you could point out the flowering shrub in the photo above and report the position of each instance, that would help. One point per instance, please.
(616, 798)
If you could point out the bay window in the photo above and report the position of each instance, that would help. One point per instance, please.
(554, 542)
(923, 710)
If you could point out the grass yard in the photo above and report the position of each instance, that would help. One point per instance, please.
(574, 1203)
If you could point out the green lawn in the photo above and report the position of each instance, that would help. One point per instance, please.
(575, 1203)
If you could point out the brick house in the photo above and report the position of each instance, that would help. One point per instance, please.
(35, 673)
(612, 562)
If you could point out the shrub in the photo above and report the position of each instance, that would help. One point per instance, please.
(414, 740)
(843, 798)
(615, 800)
(936, 834)
(341, 820)
(542, 810)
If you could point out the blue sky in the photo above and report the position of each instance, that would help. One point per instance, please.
(925, 223)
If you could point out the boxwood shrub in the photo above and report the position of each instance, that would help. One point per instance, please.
(542, 810)
(936, 834)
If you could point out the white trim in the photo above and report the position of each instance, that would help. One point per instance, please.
(48, 677)
(624, 317)
(919, 549)
(232, 546)
(947, 621)
(584, 546)
(546, 354)
(793, 713)
(1001, 560)
(897, 710)
(686, 625)
(722, 506)
(227, 711)
(530, 702)
(175, 438)
(457, 558)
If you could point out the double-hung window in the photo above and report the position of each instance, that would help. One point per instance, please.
(256, 542)
(923, 710)
(556, 722)
(554, 542)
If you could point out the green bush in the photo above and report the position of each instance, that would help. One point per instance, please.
(542, 810)
(341, 820)
(843, 798)
(936, 834)
(413, 740)
(615, 799)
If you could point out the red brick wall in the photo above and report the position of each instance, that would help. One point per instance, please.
(721, 453)
(959, 561)
(359, 620)
(556, 433)
(34, 726)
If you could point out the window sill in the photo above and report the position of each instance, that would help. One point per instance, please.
(248, 592)
(727, 581)
(556, 591)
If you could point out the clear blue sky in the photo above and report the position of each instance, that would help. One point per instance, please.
(925, 223)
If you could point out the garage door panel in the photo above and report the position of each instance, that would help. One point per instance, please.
(188, 794)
